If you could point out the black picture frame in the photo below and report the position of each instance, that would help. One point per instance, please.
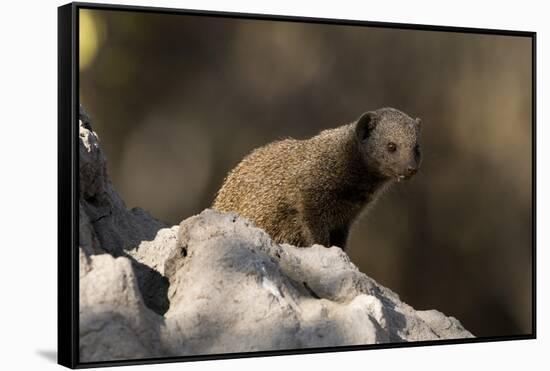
(68, 182)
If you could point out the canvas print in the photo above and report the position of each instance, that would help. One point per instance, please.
(252, 185)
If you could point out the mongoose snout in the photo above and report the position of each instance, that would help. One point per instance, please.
(411, 171)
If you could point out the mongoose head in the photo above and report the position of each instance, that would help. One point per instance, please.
(389, 143)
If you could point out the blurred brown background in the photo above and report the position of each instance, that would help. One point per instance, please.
(178, 100)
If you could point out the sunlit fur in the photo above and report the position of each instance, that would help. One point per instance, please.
(306, 192)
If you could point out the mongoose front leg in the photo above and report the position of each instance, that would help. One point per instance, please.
(314, 231)
(339, 236)
(319, 236)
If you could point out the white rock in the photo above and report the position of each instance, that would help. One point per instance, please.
(217, 284)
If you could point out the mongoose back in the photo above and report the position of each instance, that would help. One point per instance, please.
(305, 192)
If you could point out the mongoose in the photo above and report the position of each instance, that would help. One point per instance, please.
(305, 192)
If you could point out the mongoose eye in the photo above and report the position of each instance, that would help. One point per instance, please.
(392, 147)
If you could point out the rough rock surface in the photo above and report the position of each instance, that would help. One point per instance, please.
(217, 284)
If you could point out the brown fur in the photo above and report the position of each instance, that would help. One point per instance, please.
(306, 192)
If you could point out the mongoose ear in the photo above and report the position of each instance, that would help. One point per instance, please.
(418, 122)
(365, 125)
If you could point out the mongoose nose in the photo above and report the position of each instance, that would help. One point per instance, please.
(411, 170)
